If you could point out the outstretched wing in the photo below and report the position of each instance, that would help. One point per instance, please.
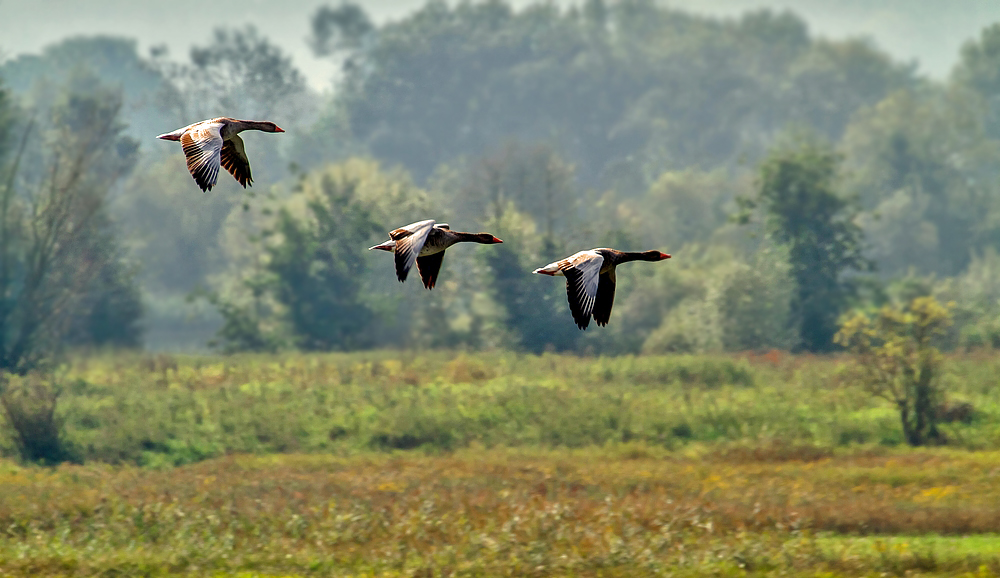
(429, 267)
(234, 159)
(409, 241)
(582, 284)
(605, 297)
(202, 147)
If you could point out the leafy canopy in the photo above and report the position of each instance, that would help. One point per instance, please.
(796, 190)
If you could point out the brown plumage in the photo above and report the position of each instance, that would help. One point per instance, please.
(423, 243)
(590, 280)
(215, 143)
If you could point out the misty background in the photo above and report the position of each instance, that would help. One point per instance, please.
(556, 126)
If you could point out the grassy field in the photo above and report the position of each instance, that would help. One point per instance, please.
(624, 511)
(164, 411)
(445, 464)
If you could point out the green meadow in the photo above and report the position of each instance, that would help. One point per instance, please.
(498, 464)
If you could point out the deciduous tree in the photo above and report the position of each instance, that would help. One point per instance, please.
(797, 190)
(57, 249)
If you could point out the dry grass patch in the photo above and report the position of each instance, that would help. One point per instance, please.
(590, 512)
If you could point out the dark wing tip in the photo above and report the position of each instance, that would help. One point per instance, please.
(429, 267)
(400, 261)
(575, 307)
(203, 183)
(605, 299)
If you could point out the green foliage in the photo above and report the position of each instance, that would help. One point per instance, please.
(315, 271)
(114, 60)
(160, 411)
(309, 285)
(755, 304)
(796, 189)
(113, 311)
(927, 184)
(242, 327)
(720, 303)
(337, 29)
(620, 88)
(173, 231)
(240, 71)
(59, 257)
(536, 314)
(683, 207)
(558, 128)
(977, 71)
(976, 294)
(897, 361)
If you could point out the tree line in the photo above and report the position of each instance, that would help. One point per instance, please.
(793, 178)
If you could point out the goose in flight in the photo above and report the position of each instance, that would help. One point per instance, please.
(590, 280)
(212, 143)
(424, 243)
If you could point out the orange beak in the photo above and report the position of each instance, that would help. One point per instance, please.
(495, 240)
(664, 255)
(278, 129)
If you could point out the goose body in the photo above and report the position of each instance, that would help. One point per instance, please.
(214, 143)
(590, 280)
(423, 243)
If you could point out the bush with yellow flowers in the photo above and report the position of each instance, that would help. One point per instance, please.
(896, 359)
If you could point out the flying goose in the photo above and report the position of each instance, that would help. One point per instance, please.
(212, 143)
(590, 280)
(424, 243)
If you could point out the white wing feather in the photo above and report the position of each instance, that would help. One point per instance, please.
(408, 248)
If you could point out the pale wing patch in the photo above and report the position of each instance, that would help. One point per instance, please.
(408, 247)
(582, 279)
(202, 147)
(557, 267)
(407, 230)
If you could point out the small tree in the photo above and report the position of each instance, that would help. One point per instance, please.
(897, 361)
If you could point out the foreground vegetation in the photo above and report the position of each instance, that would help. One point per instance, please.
(625, 510)
(453, 464)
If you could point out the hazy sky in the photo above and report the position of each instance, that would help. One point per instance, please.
(928, 31)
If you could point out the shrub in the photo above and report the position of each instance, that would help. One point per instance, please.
(29, 406)
(896, 360)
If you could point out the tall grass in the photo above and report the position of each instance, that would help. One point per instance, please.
(164, 411)
(631, 510)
